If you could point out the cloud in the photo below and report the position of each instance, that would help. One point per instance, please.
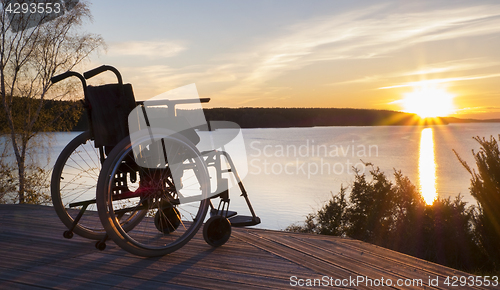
(432, 71)
(378, 31)
(154, 49)
(373, 32)
(441, 81)
(476, 110)
(453, 66)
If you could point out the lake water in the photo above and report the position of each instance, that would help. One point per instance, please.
(293, 171)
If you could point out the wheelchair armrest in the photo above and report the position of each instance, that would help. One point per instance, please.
(171, 103)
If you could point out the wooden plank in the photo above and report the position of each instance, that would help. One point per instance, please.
(34, 255)
(303, 259)
(357, 263)
(398, 262)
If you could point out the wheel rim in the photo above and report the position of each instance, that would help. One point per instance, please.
(74, 180)
(154, 190)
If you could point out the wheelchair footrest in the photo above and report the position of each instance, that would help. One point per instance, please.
(230, 213)
(244, 221)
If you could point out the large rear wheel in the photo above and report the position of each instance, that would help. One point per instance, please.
(73, 189)
(170, 178)
(73, 186)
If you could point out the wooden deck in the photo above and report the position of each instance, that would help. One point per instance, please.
(34, 255)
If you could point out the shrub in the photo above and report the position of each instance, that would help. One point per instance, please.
(395, 216)
(485, 188)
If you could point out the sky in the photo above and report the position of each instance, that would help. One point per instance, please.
(288, 53)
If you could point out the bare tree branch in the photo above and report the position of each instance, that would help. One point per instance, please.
(30, 55)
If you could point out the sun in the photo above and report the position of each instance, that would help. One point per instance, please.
(429, 101)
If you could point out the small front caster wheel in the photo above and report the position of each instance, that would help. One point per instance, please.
(68, 234)
(167, 220)
(217, 231)
(100, 245)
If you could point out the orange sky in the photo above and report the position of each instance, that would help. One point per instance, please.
(361, 54)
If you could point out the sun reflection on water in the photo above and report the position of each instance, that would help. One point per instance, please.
(427, 166)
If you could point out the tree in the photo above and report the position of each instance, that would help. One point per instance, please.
(485, 188)
(33, 48)
(6, 170)
(394, 215)
(329, 220)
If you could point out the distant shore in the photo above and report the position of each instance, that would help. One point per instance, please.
(251, 117)
(312, 117)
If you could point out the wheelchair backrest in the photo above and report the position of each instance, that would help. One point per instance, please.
(110, 106)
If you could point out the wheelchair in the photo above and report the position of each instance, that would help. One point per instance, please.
(154, 186)
(76, 171)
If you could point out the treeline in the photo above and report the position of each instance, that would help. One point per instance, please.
(260, 117)
(305, 117)
(71, 116)
(53, 115)
(310, 117)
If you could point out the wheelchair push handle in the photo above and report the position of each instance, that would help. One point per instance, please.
(58, 78)
(93, 72)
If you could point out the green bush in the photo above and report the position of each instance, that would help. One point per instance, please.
(485, 188)
(395, 216)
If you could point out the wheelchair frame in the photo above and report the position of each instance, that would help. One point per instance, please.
(217, 228)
